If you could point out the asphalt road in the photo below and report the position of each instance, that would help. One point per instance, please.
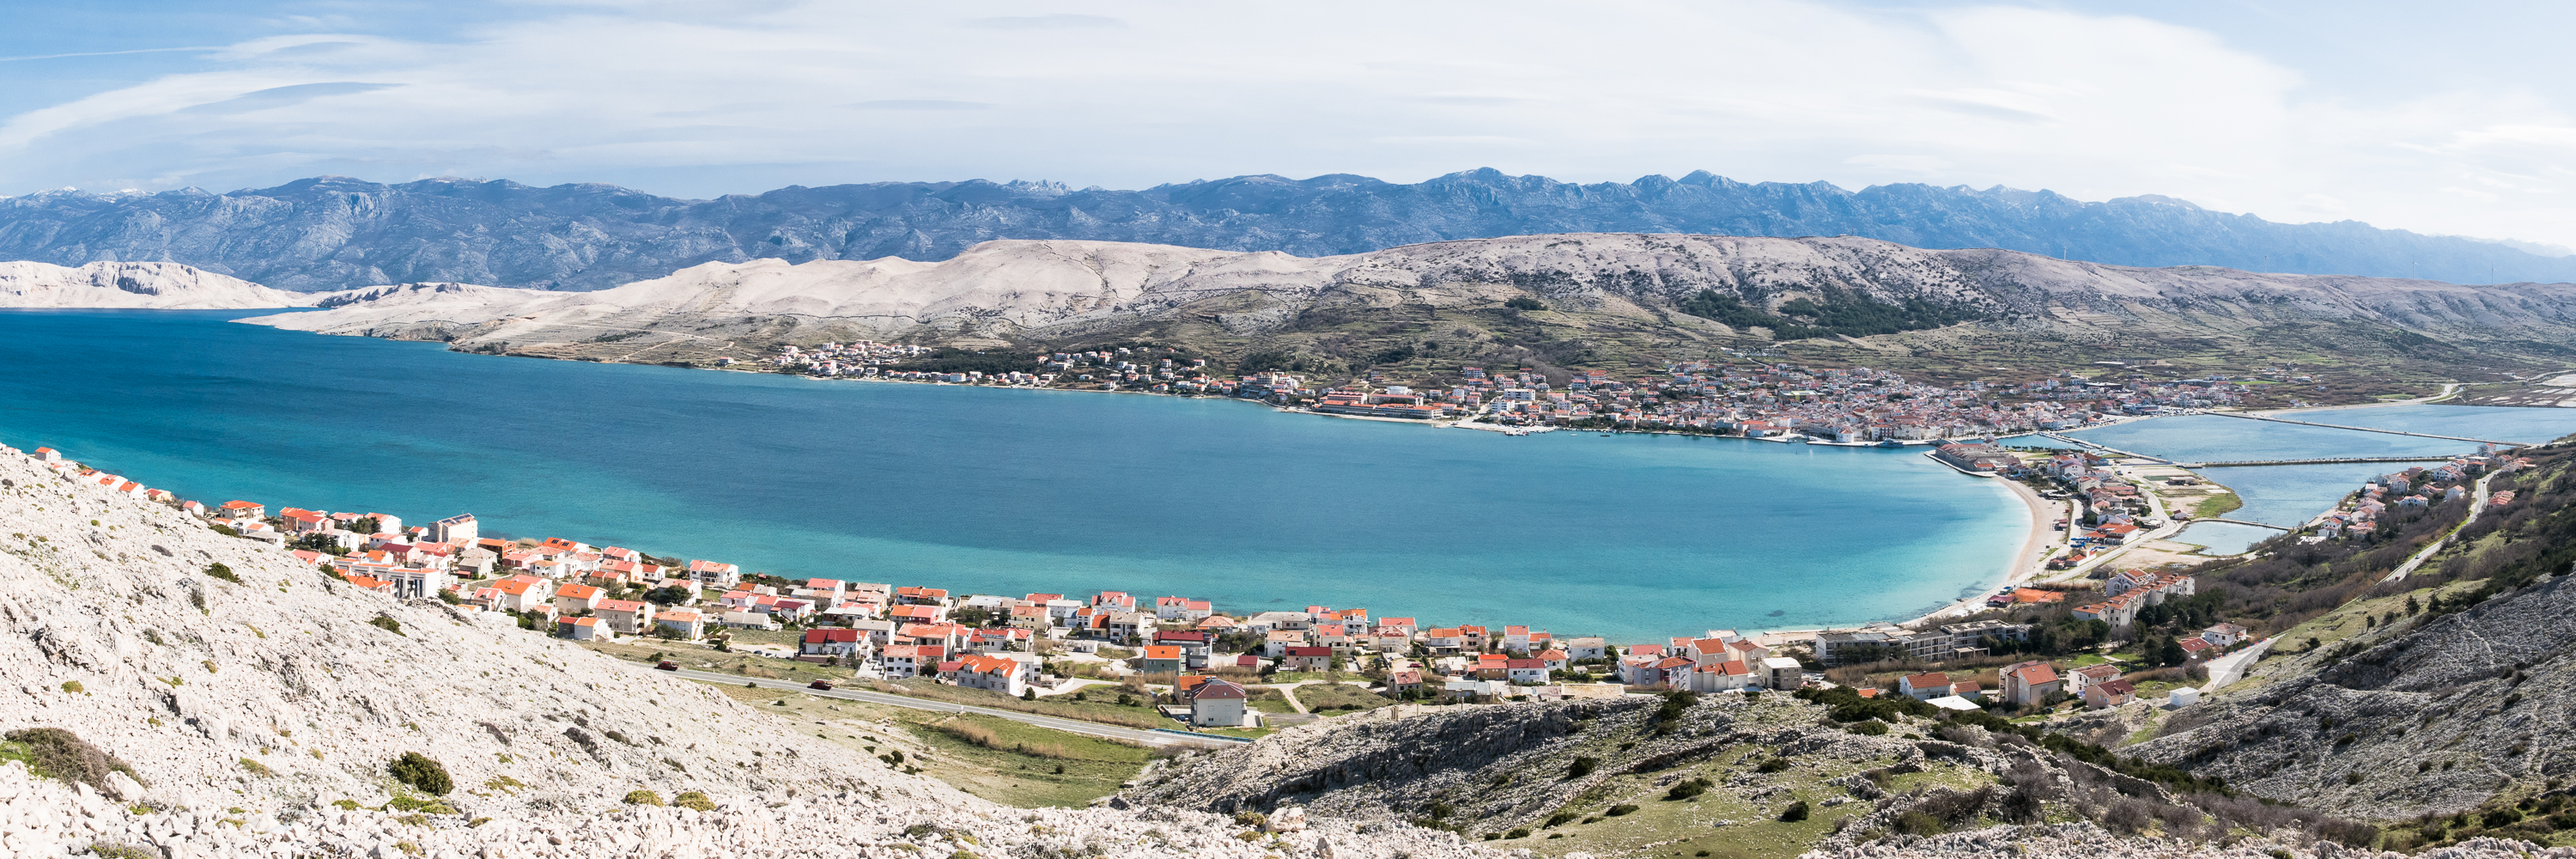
(1070, 726)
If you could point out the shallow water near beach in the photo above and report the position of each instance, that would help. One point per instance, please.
(1003, 491)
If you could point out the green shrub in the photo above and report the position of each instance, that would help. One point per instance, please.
(1557, 819)
(1919, 823)
(1873, 727)
(694, 801)
(121, 850)
(1621, 810)
(1517, 833)
(643, 797)
(1582, 767)
(1773, 765)
(388, 624)
(72, 686)
(426, 806)
(1523, 302)
(219, 571)
(1687, 790)
(422, 774)
(1796, 811)
(60, 754)
(256, 768)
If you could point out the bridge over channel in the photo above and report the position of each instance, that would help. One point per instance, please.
(2319, 461)
(2368, 429)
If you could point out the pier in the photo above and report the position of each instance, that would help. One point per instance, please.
(2368, 429)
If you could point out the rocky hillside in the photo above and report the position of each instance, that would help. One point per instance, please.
(2458, 695)
(1606, 296)
(332, 233)
(210, 696)
(157, 285)
(1761, 775)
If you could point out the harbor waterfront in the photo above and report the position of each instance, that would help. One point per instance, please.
(1010, 491)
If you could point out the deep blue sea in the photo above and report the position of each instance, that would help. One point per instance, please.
(1002, 491)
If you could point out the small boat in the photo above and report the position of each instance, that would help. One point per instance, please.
(1890, 443)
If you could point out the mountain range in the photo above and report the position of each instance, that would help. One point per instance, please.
(1617, 299)
(331, 233)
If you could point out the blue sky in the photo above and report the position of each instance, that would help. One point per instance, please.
(2454, 119)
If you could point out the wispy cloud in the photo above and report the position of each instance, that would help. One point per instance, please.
(1046, 22)
(109, 53)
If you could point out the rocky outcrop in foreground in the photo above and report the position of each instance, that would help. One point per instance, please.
(2085, 841)
(255, 708)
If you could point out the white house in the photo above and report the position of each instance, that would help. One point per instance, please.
(1220, 704)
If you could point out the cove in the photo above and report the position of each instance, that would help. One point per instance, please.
(1013, 491)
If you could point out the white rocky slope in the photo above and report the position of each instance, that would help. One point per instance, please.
(155, 285)
(1062, 286)
(250, 709)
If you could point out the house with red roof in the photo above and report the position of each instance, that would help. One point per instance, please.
(581, 629)
(686, 624)
(1923, 687)
(2109, 693)
(906, 660)
(2028, 683)
(1221, 703)
(626, 617)
(994, 673)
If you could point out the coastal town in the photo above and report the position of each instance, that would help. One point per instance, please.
(1857, 405)
(1203, 668)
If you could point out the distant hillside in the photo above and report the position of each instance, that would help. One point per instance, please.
(1602, 300)
(156, 285)
(336, 233)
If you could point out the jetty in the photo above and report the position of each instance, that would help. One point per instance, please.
(2335, 460)
(2252, 417)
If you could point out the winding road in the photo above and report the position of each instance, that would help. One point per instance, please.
(2477, 505)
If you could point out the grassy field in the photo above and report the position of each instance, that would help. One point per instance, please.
(1340, 697)
(998, 759)
(1022, 765)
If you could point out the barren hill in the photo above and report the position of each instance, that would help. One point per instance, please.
(1606, 298)
(156, 285)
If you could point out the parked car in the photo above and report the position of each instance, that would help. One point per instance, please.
(824, 685)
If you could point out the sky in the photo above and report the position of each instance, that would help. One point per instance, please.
(2456, 118)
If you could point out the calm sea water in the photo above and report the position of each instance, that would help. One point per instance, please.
(1001, 491)
(2292, 494)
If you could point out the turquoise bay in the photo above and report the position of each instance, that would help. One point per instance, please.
(1013, 491)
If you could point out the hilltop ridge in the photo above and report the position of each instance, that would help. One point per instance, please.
(1635, 298)
(332, 232)
(152, 285)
